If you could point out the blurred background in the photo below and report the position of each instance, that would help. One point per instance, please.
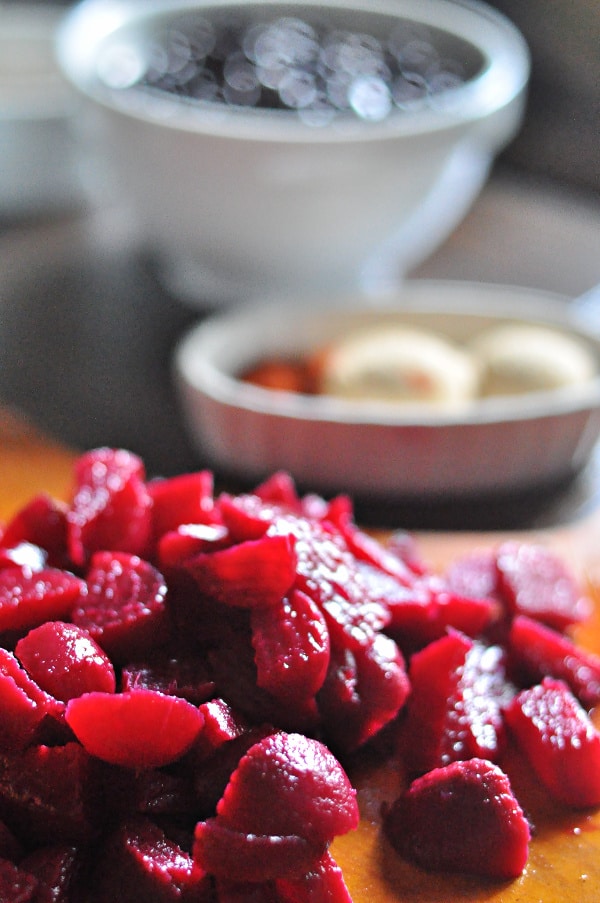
(88, 333)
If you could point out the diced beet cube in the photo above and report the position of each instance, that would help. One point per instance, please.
(65, 661)
(454, 710)
(183, 676)
(474, 575)
(184, 499)
(559, 740)
(363, 692)
(291, 645)
(247, 517)
(462, 817)
(111, 506)
(138, 729)
(29, 598)
(423, 612)
(221, 724)
(57, 869)
(535, 582)
(24, 705)
(140, 863)
(280, 489)
(324, 883)
(24, 554)
(52, 794)
(239, 856)
(124, 607)
(538, 651)
(178, 546)
(308, 791)
(16, 884)
(254, 573)
(42, 522)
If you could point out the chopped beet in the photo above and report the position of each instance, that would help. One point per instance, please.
(111, 506)
(183, 499)
(16, 884)
(462, 817)
(25, 706)
(324, 883)
(65, 661)
(43, 523)
(363, 692)
(474, 575)
(178, 546)
(57, 869)
(183, 676)
(138, 729)
(24, 554)
(236, 855)
(124, 607)
(256, 573)
(52, 794)
(308, 791)
(559, 740)
(423, 612)
(29, 598)
(535, 582)
(140, 863)
(455, 708)
(291, 644)
(538, 651)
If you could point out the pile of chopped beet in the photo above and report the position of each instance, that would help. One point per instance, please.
(185, 676)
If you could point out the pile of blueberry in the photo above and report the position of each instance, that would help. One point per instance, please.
(288, 63)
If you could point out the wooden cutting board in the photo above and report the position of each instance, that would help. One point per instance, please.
(564, 862)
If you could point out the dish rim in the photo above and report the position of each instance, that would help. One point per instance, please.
(196, 366)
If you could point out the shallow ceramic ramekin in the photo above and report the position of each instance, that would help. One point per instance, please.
(502, 444)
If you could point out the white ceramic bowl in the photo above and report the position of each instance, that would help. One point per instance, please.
(38, 151)
(251, 204)
(495, 445)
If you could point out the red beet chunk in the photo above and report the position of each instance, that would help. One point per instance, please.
(462, 817)
(308, 791)
(178, 546)
(455, 707)
(560, 742)
(124, 608)
(535, 582)
(324, 883)
(280, 489)
(111, 506)
(24, 705)
(141, 864)
(41, 522)
(291, 644)
(255, 573)
(538, 651)
(183, 499)
(65, 661)
(29, 598)
(239, 856)
(52, 795)
(221, 723)
(423, 612)
(474, 575)
(183, 676)
(57, 869)
(139, 729)
(24, 554)
(364, 690)
(16, 884)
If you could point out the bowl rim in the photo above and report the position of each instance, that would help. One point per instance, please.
(197, 368)
(502, 80)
